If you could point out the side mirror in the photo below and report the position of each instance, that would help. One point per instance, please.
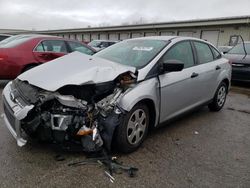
(172, 66)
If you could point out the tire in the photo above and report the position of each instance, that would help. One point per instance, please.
(133, 130)
(219, 98)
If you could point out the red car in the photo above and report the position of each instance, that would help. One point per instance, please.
(22, 52)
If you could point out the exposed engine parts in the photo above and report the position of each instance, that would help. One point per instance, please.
(87, 115)
(107, 104)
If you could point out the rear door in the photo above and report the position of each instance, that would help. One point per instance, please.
(208, 68)
(48, 50)
(179, 90)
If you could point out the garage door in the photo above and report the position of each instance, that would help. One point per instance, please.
(136, 35)
(103, 36)
(185, 33)
(86, 37)
(166, 33)
(67, 36)
(72, 36)
(150, 34)
(210, 36)
(79, 37)
(124, 36)
(113, 36)
(94, 36)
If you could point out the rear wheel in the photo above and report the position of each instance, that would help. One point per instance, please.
(219, 98)
(132, 132)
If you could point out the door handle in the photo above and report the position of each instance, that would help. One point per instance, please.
(194, 74)
(217, 67)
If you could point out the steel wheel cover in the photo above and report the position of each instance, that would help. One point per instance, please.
(136, 126)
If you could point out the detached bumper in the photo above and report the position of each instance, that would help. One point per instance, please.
(14, 112)
(20, 141)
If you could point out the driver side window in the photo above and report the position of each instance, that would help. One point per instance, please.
(181, 51)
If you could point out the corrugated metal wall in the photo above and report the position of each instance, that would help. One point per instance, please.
(217, 35)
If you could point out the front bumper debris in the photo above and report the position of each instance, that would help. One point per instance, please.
(14, 112)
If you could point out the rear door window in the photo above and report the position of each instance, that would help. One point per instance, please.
(204, 53)
(217, 55)
(57, 46)
(182, 51)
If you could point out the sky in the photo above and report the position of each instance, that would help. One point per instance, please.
(63, 14)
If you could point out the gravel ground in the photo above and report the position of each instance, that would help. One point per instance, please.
(202, 149)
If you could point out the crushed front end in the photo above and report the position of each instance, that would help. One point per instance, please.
(85, 115)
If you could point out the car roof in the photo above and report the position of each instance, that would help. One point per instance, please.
(168, 38)
(172, 38)
(33, 36)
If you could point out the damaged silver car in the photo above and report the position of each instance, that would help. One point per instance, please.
(113, 97)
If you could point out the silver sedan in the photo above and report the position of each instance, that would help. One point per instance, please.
(117, 94)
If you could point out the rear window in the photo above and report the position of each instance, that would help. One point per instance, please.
(217, 55)
(2, 37)
(239, 49)
(95, 43)
(14, 41)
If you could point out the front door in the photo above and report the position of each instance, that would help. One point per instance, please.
(179, 90)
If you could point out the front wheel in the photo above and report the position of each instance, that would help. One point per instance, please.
(133, 130)
(219, 98)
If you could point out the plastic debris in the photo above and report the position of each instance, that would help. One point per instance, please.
(110, 164)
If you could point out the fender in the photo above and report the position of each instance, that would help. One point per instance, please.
(226, 73)
(147, 89)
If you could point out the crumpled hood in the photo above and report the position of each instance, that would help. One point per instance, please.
(74, 69)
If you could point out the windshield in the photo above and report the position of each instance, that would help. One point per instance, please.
(239, 49)
(94, 43)
(14, 41)
(136, 53)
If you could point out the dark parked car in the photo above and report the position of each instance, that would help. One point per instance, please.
(240, 59)
(101, 44)
(224, 49)
(22, 52)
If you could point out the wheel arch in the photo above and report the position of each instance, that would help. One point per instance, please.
(227, 82)
(151, 109)
(28, 66)
(144, 92)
